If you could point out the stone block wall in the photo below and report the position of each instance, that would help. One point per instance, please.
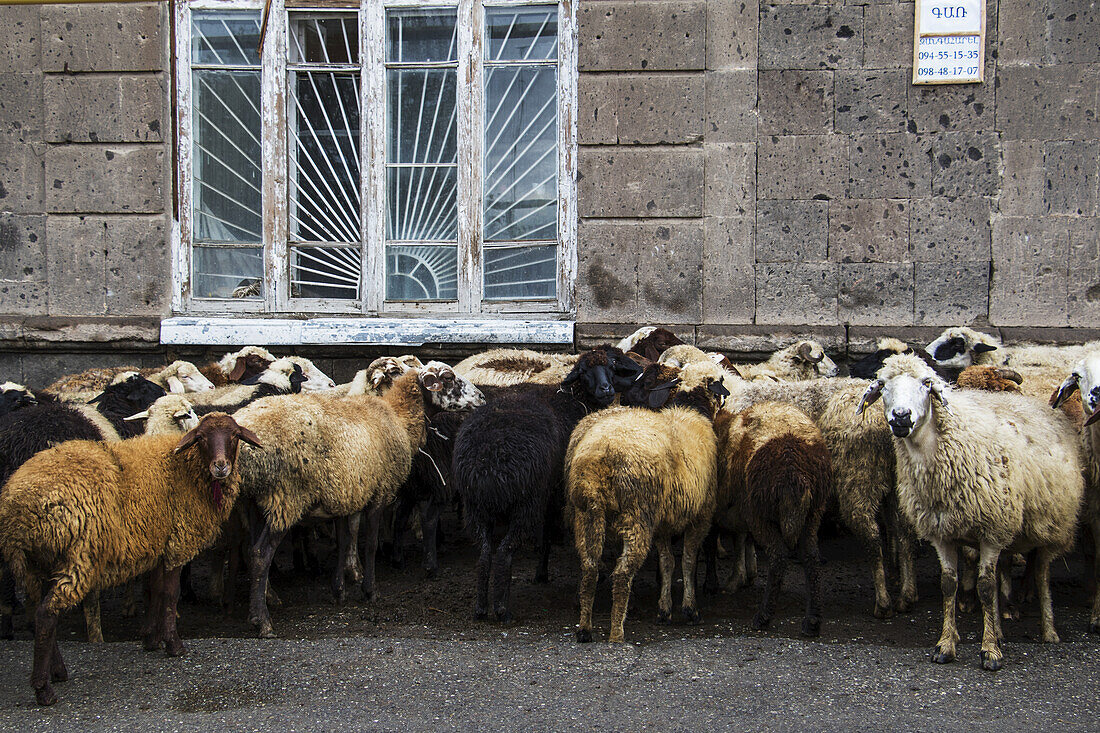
(85, 182)
(778, 159)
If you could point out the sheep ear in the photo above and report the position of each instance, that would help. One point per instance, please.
(431, 382)
(980, 348)
(718, 388)
(187, 441)
(238, 370)
(143, 415)
(870, 396)
(572, 376)
(297, 379)
(247, 436)
(376, 378)
(659, 395)
(1092, 418)
(936, 390)
(175, 386)
(1068, 387)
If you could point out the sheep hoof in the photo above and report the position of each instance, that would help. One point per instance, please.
(174, 648)
(59, 674)
(884, 612)
(903, 605)
(504, 615)
(267, 631)
(370, 595)
(760, 622)
(991, 661)
(1051, 638)
(151, 643)
(584, 636)
(1094, 627)
(943, 656)
(431, 573)
(811, 626)
(481, 615)
(691, 616)
(664, 617)
(1011, 612)
(45, 695)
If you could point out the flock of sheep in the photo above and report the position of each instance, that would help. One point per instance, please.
(113, 474)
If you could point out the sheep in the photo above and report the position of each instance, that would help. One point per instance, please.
(649, 341)
(238, 365)
(508, 462)
(333, 456)
(984, 469)
(87, 515)
(379, 375)
(1085, 378)
(803, 359)
(684, 354)
(178, 377)
(504, 367)
(15, 396)
(282, 376)
(652, 475)
(863, 473)
(960, 347)
(775, 476)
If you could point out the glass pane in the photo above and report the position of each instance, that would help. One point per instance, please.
(422, 203)
(227, 178)
(324, 154)
(223, 272)
(421, 36)
(421, 272)
(421, 114)
(529, 34)
(521, 273)
(324, 272)
(225, 38)
(521, 165)
(325, 39)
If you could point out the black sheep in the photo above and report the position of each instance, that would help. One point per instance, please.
(15, 396)
(508, 463)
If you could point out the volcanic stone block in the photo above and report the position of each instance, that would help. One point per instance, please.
(731, 113)
(966, 164)
(732, 34)
(21, 171)
(106, 108)
(802, 167)
(894, 165)
(951, 107)
(794, 102)
(1048, 102)
(21, 107)
(889, 36)
(76, 255)
(670, 272)
(1024, 178)
(607, 280)
(729, 270)
(1074, 30)
(950, 230)
(105, 37)
(802, 293)
(1030, 272)
(875, 294)
(811, 37)
(871, 101)
(641, 36)
(597, 109)
(1071, 177)
(20, 38)
(1083, 303)
(113, 179)
(869, 230)
(950, 293)
(666, 108)
(640, 182)
(22, 247)
(1022, 37)
(791, 231)
(138, 266)
(730, 179)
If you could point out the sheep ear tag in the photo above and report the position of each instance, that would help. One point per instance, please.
(1062, 393)
(432, 383)
(870, 396)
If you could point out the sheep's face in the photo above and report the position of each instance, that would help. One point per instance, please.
(217, 436)
(448, 390)
(188, 378)
(956, 350)
(1085, 377)
(906, 401)
(14, 396)
(316, 380)
(136, 391)
(383, 370)
(602, 372)
(813, 355)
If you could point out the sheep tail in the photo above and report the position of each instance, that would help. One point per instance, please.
(782, 480)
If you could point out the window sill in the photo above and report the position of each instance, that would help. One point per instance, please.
(192, 331)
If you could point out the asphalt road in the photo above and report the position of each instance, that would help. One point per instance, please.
(415, 660)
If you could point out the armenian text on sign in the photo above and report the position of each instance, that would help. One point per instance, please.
(949, 42)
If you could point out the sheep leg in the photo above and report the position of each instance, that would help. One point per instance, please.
(502, 574)
(811, 566)
(1006, 601)
(260, 557)
(777, 568)
(343, 539)
(92, 619)
(636, 543)
(968, 599)
(129, 598)
(1094, 617)
(152, 631)
(667, 562)
(750, 558)
(992, 657)
(7, 602)
(907, 574)
(370, 551)
(693, 540)
(187, 592)
(170, 595)
(429, 523)
(1046, 610)
(401, 513)
(46, 654)
(865, 525)
(710, 557)
(542, 570)
(588, 533)
(354, 568)
(949, 584)
(484, 566)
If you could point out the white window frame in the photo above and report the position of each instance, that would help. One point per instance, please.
(275, 166)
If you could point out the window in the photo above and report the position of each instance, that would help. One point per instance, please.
(384, 158)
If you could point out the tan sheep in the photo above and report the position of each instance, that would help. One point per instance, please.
(88, 515)
(805, 359)
(504, 367)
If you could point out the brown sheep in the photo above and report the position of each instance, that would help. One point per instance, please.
(775, 477)
(87, 515)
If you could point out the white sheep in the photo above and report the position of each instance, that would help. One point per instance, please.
(982, 469)
(804, 359)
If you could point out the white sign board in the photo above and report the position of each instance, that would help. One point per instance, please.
(949, 42)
